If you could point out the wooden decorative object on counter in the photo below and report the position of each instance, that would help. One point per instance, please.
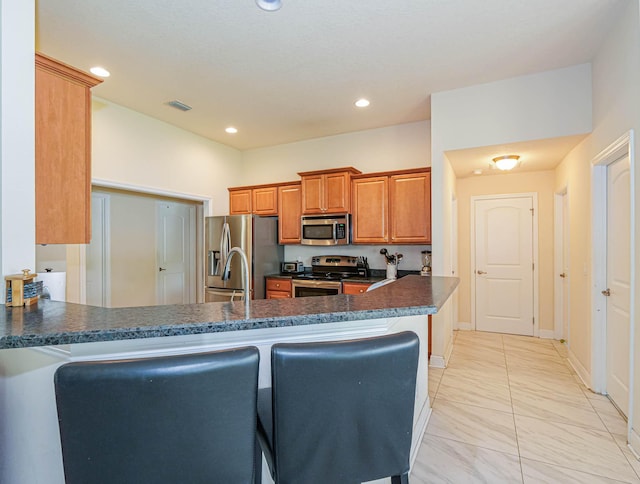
(63, 152)
(20, 289)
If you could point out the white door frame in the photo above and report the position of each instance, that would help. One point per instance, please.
(559, 236)
(534, 197)
(106, 237)
(621, 147)
(203, 209)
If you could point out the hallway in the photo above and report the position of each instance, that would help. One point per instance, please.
(510, 409)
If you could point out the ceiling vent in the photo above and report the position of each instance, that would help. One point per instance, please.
(179, 105)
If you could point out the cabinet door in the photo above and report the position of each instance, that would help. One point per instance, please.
(354, 287)
(240, 202)
(312, 194)
(265, 201)
(370, 210)
(336, 192)
(289, 209)
(62, 153)
(410, 208)
(278, 288)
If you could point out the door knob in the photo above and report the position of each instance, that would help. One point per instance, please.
(162, 269)
(606, 292)
(480, 272)
(563, 275)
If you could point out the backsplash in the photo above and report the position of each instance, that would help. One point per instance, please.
(412, 257)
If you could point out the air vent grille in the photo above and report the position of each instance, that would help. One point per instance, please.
(179, 105)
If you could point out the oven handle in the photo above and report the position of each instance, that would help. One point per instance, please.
(326, 284)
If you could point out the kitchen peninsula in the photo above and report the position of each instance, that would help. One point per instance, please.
(36, 340)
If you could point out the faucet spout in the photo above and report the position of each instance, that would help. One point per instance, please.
(245, 274)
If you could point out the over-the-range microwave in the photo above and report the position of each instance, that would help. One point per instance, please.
(325, 230)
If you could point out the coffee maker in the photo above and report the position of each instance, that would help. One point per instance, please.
(426, 263)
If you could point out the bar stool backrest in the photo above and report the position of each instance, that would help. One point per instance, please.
(343, 411)
(187, 418)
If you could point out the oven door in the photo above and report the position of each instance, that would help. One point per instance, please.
(306, 288)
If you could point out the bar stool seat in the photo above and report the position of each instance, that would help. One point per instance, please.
(188, 418)
(340, 412)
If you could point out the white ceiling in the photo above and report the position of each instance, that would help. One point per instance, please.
(294, 74)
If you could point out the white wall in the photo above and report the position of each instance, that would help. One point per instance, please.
(543, 105)
(134, 149)
(383, 149)
(616, 110)
(17, 131)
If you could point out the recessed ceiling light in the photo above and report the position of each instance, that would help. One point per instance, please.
(231, 130)
(477, 172)
(99, 71)
(269, 5)
(362, 103)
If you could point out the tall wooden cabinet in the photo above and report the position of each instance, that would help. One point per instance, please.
(392, 207)
(289, 210)
(63, 152)
(327, 191)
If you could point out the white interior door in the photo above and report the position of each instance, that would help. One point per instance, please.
(504, 265)
(618, 281)
(175, 256)
(561, 266)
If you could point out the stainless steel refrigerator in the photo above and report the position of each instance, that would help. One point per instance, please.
(257, 237)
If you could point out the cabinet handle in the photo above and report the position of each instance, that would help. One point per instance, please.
(361, 290)
(277, 284)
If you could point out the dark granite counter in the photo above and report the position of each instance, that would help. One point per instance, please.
(55, 323)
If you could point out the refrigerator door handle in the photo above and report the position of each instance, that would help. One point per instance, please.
(225, 247)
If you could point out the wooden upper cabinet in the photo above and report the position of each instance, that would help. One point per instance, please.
(289, 210)
(240, 201)
(327, 191)
(370, 214)
(265, 200)
(410, 208)
(62, 152)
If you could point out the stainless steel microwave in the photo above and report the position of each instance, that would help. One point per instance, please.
(325, 230)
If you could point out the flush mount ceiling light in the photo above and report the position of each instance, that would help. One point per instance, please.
(362, 103)
(231, 130)
(99, 71)
(269, 5)
(506, 162)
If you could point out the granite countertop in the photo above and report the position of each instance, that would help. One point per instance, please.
(54, 323)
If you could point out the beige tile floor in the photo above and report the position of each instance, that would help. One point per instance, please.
(510, 409)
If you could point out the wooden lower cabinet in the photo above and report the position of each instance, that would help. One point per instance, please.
(354, 287)
(289, 211)
(278, 288)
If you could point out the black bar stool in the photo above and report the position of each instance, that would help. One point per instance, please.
(340, 412)
(187, 418)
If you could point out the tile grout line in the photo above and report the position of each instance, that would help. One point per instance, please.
(513, 411)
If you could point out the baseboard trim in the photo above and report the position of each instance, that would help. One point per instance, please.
(438, 361)
(634, 443)
(547, 334)
(464, 326)
(423, 421)
(580, 370)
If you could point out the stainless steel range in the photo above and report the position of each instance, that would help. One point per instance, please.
(327, 274)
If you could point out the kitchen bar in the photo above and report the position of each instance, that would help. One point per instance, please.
(36, 340)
